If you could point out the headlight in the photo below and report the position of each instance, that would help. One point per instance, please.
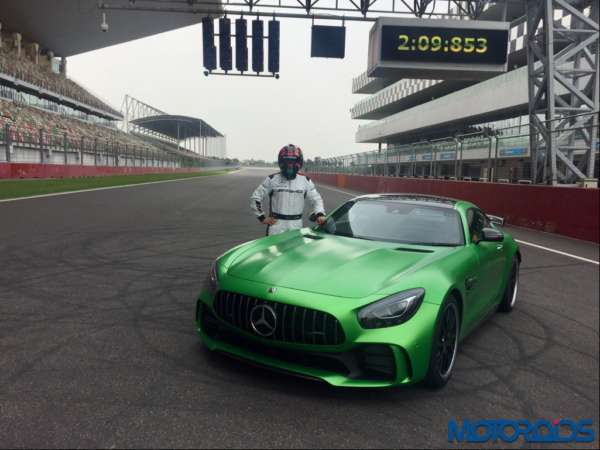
(393, 310)
(211, 284)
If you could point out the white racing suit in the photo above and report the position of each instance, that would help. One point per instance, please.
(286, 201)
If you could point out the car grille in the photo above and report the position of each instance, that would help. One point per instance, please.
(364, 362)
(295, 324)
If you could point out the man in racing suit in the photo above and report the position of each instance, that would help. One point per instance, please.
(287, 191)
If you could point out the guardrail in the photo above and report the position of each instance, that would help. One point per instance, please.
(38, 146)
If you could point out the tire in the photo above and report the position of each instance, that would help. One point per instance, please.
(445, 345)
(509, 298)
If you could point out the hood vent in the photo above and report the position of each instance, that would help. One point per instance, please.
(414, 250)
(313, 236)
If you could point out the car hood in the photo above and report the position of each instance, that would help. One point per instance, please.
(331, 265)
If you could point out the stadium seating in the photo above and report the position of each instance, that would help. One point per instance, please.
(22, 68)
(26, 122)
(30, 125)
(170, 147)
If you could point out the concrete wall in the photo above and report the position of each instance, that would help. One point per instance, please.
(569, 211)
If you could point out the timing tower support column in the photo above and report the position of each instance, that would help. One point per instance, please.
(562, 61)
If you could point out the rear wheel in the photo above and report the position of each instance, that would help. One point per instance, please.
(512, 288)
(445, 345)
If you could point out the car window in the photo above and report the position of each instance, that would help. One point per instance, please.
(477, 221)
(395, 221)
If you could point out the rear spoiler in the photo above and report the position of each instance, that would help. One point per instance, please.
(496, 220)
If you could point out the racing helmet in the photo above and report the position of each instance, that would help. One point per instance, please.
(290, 161)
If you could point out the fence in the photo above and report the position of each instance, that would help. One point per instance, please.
(495, 155)
(18, 145)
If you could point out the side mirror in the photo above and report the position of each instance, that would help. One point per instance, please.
(491, 235)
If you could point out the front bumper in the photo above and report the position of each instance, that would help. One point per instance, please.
(368, 358)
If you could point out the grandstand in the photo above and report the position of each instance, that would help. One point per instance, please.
(25, 66)
(187, 136)
(469, 130)
(47, 118)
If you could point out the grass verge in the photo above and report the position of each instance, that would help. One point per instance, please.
(25, 188)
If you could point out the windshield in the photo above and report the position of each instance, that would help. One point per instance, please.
(394, 221)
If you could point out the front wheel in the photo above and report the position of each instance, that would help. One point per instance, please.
(445, 345)
(512, 288)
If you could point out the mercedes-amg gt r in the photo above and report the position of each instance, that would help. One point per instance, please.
(379, 295)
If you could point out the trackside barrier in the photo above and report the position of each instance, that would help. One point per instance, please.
(38, 146)
(27, 170)
(569, 211)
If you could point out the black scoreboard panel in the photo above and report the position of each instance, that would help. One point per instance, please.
(446, 45)
(328, 41)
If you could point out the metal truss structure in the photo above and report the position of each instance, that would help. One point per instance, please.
(133, 109)
(563, 88)
(195, 135)
(352, 10)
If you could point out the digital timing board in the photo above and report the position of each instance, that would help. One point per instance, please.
(438, 48)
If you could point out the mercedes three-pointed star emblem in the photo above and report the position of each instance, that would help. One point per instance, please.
(263, 320)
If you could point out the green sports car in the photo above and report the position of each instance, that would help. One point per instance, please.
(379, 295)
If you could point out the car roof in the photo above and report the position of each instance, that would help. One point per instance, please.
(429, 200)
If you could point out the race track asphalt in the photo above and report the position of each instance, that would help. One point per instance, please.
(98, 346)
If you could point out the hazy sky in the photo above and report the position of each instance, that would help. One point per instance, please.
(308, 106)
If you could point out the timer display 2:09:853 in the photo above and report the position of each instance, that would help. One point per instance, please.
(454, 44)
(439, 44)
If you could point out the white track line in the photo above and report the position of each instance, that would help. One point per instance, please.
(558, 252)
(530, 244)
(107, 188)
